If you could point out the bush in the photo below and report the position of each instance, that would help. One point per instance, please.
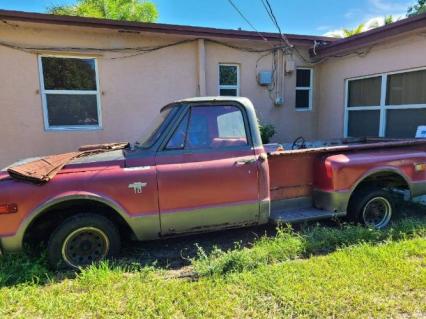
(266, 132)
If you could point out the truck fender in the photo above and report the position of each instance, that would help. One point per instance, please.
(17, 241)
(378, 170)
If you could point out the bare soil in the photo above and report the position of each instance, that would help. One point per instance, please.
(174, 254)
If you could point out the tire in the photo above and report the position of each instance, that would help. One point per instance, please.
(82, 240)
(372, 207)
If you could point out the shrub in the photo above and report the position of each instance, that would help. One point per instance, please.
(266, 132)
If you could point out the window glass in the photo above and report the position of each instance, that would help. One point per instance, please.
(68, 110)
(404, 123)
(228, 75)
(364, 123)
(177, 141)
(228, 92)
(77, 105)
(69, 74)
(302, 99)
(231, 125)
(303, 78)
(364, 92)
(212, 127)
(228, 80)
(406, 88)
(156, 127)
(303, 89)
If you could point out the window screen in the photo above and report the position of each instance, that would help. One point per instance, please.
(363, 123)
(72, 109)
(302, 99)
(404, 123)
(364, 92)
(303, 89)
(303, 78)
(406, 88)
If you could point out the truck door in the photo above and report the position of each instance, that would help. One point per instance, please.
(207, 172)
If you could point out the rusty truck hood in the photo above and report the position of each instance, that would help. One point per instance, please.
(43, 169)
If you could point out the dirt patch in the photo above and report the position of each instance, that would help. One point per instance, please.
(175, 253)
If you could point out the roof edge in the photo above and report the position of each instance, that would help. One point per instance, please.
(345, 45)
(44, 18)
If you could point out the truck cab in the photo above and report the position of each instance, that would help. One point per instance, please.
(202, 167)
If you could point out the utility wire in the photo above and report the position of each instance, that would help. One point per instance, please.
(248, 21)
(270, 11)
(133, 51)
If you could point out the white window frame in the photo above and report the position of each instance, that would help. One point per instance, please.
(304, 88)
(383, 108)
(44, 92)
(232, 87)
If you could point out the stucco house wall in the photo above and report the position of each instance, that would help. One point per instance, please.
(400, 53)
(133, 89)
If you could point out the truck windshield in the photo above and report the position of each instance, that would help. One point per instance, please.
(153, 131)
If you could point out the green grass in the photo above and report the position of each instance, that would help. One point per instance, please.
(319, 272)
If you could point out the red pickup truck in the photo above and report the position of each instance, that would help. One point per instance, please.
(204, 168)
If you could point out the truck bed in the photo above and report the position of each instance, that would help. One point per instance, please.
(293, 173)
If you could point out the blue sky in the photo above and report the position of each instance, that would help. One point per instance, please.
(294, 16)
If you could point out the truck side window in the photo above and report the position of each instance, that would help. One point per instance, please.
(177, 141)
(213, 127)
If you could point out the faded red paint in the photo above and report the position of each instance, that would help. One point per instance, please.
(108, 180)
(188, 181)
(209, 179)
(341, 172)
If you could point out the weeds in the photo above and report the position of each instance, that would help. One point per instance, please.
(288, 244)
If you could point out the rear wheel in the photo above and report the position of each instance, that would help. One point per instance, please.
(372, 207)
(82, 240)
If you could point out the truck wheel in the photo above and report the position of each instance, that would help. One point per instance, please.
(372, 207)
(81, 240)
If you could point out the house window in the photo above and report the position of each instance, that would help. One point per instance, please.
(70, 92)
(304, 79)
(229, 80)
(388, 105)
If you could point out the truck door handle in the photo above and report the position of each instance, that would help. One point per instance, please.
(246, 161)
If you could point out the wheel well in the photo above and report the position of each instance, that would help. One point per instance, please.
(385, 180)
(46, 222)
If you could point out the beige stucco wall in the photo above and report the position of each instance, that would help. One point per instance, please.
(288, 122)
(400, 53)
(133, 89)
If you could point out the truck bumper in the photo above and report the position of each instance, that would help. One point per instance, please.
(332, 201)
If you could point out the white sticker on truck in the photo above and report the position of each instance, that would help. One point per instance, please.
(421, 132)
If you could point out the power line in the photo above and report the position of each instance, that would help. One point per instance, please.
(270, 11)
(248, 21)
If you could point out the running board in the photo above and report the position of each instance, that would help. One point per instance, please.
(297, 215)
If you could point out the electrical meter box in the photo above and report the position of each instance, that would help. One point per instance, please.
(264, 78)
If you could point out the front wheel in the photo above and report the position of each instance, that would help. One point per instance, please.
(372, 207)
(82, 240)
